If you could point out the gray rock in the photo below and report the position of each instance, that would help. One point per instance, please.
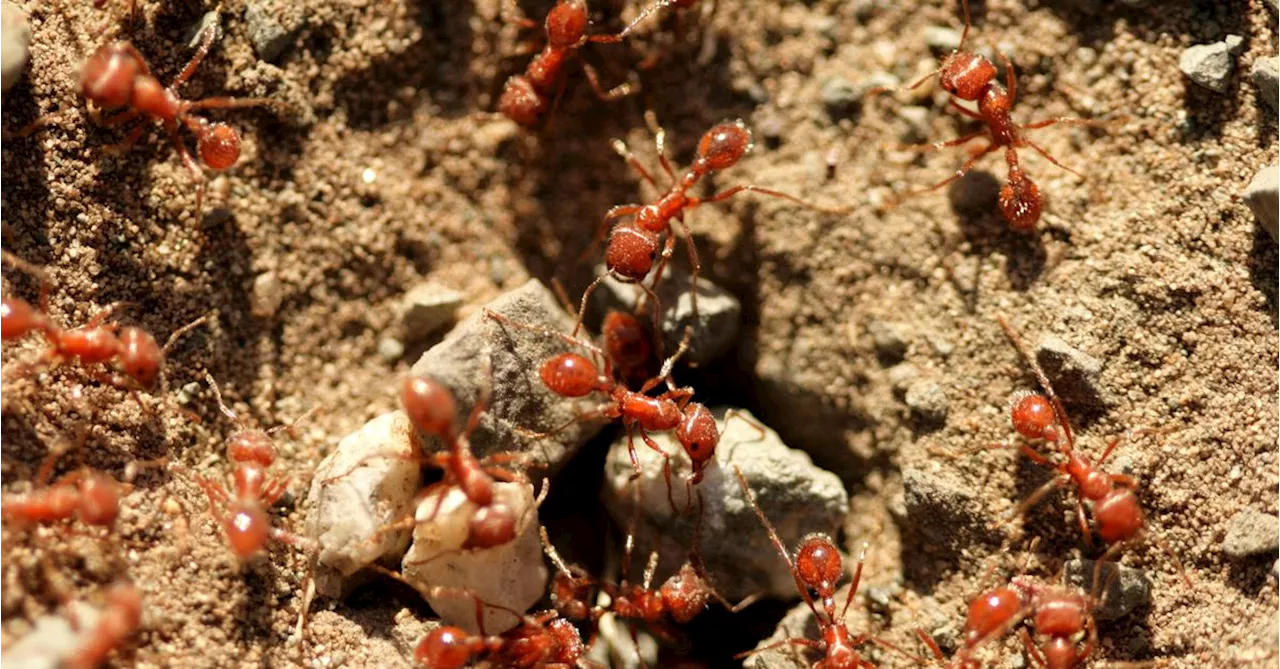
(798, 622)
(1266, 79)
(902, 375)
(1261, 196)
(15, 35)
(1122, 588)
(1251, 532)
(890, 343)
(273, 24)
(426, 308)
(1210, 65)
(713, 332)
(942, 39)
(840, 97)
(927, 401)
(515, 354)
(917, 119)
(796, 496)
(365, 484)
(942, 509)
(1074, 373)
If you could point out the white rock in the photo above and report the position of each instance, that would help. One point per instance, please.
(1266, 78)
(512, 575)
(1209, 65)
(52, 641)
(1263, 197)
(368, 482)
(15, 35)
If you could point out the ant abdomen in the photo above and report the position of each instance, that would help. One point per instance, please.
(248, 530)
(724, 145)
(1020, 200)
(444, 647)
(570, 375)
(988, 613)
(429, 405)
(490, 526)
(218, 146)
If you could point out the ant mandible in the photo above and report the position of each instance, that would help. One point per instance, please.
(818, 567)
(116, 77)
(526, 97)
(1116, 510)
(633, 245)
(243, 515)
(971, 77)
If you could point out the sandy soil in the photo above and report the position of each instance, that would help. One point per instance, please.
(390, 167)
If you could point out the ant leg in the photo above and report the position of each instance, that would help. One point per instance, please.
(620, 91)
(794, 641)
(920, 661)
(1107, 453)
(1059, 411)
(1011, 79)
(1035, 456)
(659, 142)
(1035, 497)
(666, 470)
(177, 334)
(931, 645)
(644, 14)
(122, 147)
(878, 90)
(119, 119)
(620, 147)
(509, 13)
(927, 148)
(1040, 150)
(210, 34)
(695, 266)
(1084, 522)
(742, 416)
(234, 103)
(192, 166)
(1031, 649)
(724, 195)
(964, 169)
(951, 102)
(1069, 120)
(40, 123)
(777, 544)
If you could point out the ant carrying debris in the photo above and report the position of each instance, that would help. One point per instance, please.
(971, 77)
(527, 97)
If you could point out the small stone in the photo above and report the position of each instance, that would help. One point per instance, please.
(917, 119)
(942, 509)
(1209, 65)
(511, 575)
(942, 39)
(840, 97)
(797, 497)
(15, 35)
(1074, 373)
(1251, 532)
(272, 26)
(266, 296)
(1262, 197)
(426, 308)
(928, 401)
(1266, 79)
(368, 482)
(1121, 592)
(879, 598)
(890, 343)
(902, 375)
(52, 640)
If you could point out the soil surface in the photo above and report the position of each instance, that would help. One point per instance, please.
(390, 167)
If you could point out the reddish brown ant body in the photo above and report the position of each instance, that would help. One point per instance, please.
(627, 344)
(972, 77)
(91, 496)
(98, 342)
(121, 618)
(526, 98)
(116, 77)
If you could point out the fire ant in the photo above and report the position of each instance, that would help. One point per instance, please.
(121, 619)
(91, 496)
(971, 77)
(633, 245)
(243, 515)
(525, 97)
(818, 567)
(1116, 510)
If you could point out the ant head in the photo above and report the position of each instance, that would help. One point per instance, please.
(140, 356)
(444, 647)
(988, 613)
(99, 501)
(491, 526)
(965, 74)
(521, 102)
(1118, 515)
(819, 564)
(1020, 200)
(1061, 613)
(429, 405)
(724, 145)
(251, 446)
(566, 23)
(94, 344)
(248, 529)
(626, 342)
(631, 251)
(108, 76)
(218, 145)
(570, 375)
(1032, 416)
(699, 435)
(685, 594)
(17, 318)
(569, 592)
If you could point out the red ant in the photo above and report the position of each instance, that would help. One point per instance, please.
(818, 567)
(243, 516)
(91, 496)
(633, 245)
(121, 619)
(1116, 510)
(525, 97)
(116, 76)
(970, 76)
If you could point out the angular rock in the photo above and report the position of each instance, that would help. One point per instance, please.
(1262, 197)
(273, 24)
(368, 482)
(927, 401)
(426, 308)
(943, 510)
(889, 340)
(1251, 532)
(1210, 65)
(1266, 79)
(796, 496)
(511, 575)
(515, 355)
(1126, 588)
(15, 35)
(713, 332)
(1074, 373)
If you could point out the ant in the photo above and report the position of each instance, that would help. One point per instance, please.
(633, 245)
(91, 496)
(1116, 510)
(525, 97)
(972, 77)
(627, 344)
(121, 619)
(117, 77)
(817, 566)
(243, 515)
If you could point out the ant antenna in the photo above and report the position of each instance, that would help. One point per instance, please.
(222, 406)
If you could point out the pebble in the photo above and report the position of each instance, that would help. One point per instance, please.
(927, 401)
(512, 575)
(1251, 532)
(426, 308)
(1266, 79)
(52, 640)
(377, 486)
(798, 498)
(942, 39)
(15, 35)
(1074, 373)
(515, 356)
(272, 26)
(902, 375)
(1261, 196)
(889, 341)
(714, 331)
(1124, 592)
(390, 349)
(943, 509)
(266, 295)
(917, 119)
(840, 97)
(1210, 65)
